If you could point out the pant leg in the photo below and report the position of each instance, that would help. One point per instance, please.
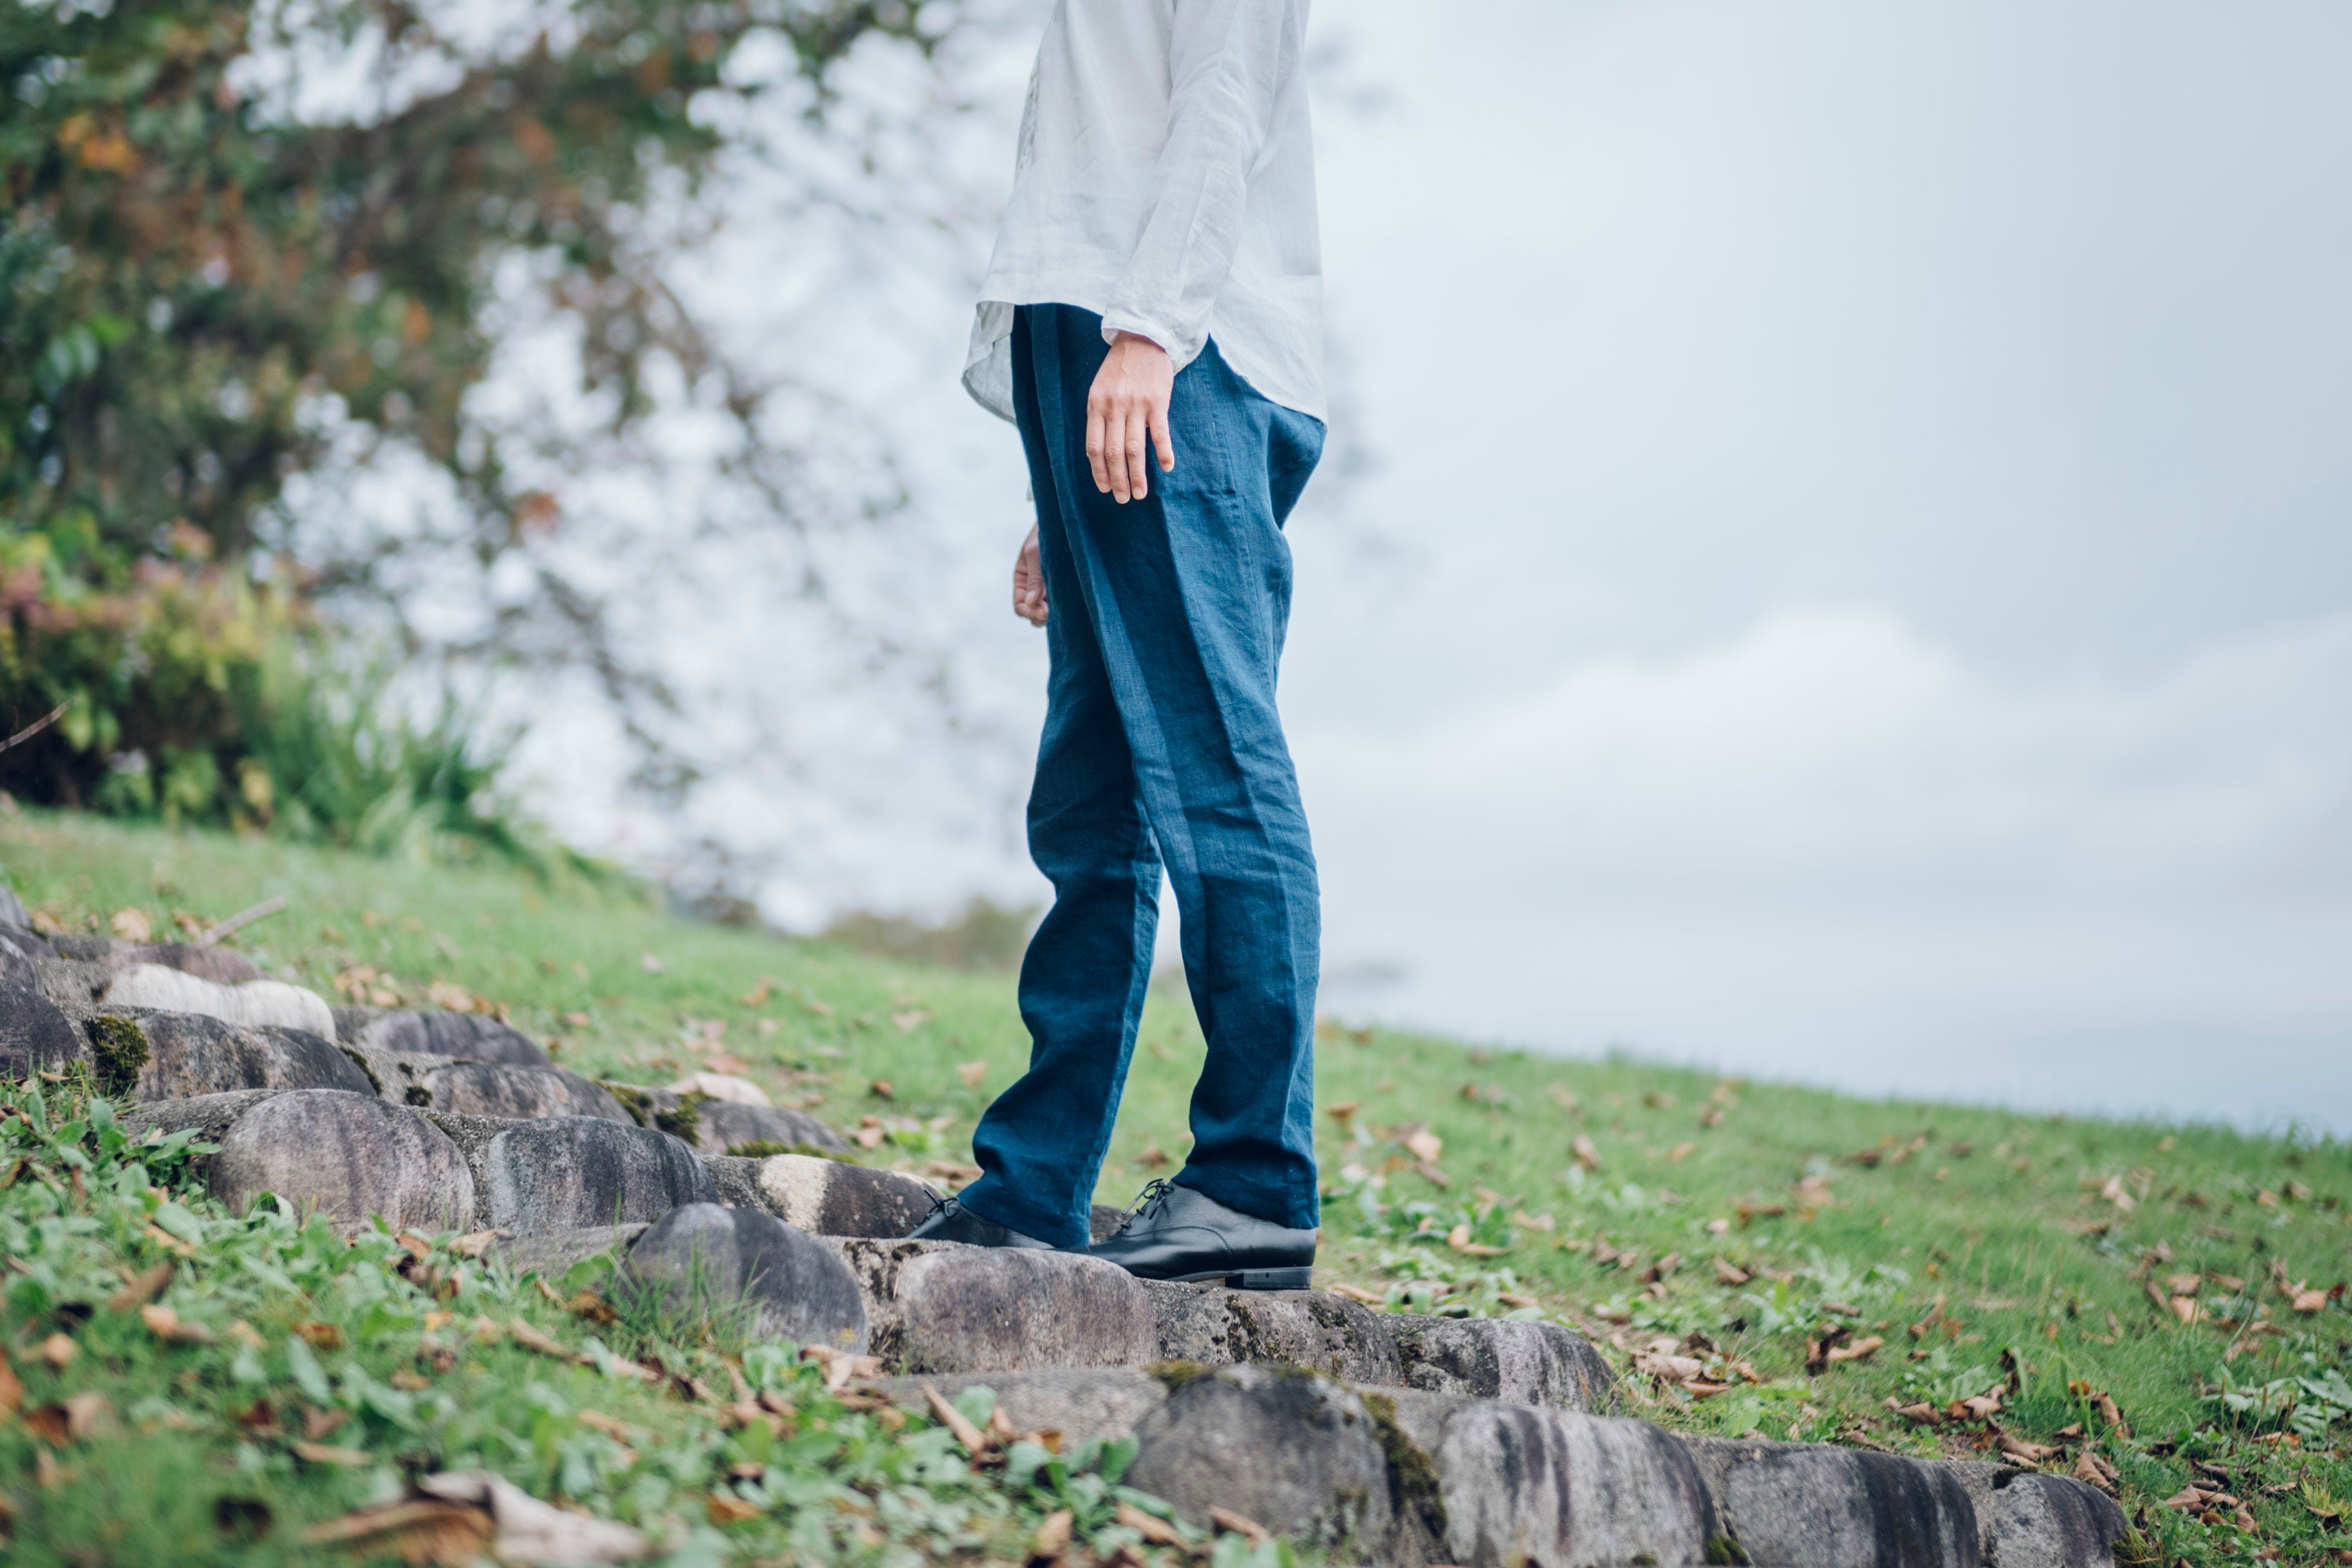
(1083, 981)
(1189, 594)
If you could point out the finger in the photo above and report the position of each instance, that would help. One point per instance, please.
(1161, 437)
(1115, 453)
(1097, 431)
(1139, 463)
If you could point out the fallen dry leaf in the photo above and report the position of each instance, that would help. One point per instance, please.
(2185, 1309)
(418, 1530)
(1233, 1523)
(972, 1073)
(1357, 1293)
(530, 1531)
(1426, 1146)
(2021, 1450)
(12, 1391)
(320, 1336)
(2093, 1470)
(758, 995)
(1731, 1273)
(1052, 1537)
(57, 1351)
(841, 1366)
(975, 1441)
(1150, 1526)
(910, 1020)
(1586, 1154)
(725, 1509)
(1861, 1350)
(1680, 1152)
(133, 925)
(144, 1286)
(473, 1244)
(165, 1325)
(1458, 1238)
(2311, 1301)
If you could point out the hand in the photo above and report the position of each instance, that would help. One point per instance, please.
(1129, 401)
(1029, 583)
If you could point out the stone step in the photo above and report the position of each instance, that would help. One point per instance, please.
(426, 1031)
(1412, 1478)
(350, 1155)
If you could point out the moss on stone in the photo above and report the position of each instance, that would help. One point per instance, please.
(683, 1120)
(1414, 1491)
(118, 1048)
(1175, 1374)
(634, 1100)
(1722, 1549)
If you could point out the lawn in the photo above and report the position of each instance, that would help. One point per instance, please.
(2160, 1305)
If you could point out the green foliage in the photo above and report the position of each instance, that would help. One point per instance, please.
(216, 276)
(186, 267)
(194, 698)
(1995, 1234)
(303, 1373)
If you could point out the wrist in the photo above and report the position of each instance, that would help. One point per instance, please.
(1126, 337)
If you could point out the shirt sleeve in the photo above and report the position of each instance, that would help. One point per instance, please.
(1228, 60)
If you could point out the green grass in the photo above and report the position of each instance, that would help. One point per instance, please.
(1988, 1249)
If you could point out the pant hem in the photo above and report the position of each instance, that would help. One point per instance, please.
(1000, 1207)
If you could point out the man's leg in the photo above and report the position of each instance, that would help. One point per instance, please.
(1040, 1144)
(1188, 592)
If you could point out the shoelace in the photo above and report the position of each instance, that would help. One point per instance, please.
(1155, 1192)
(938, 1204)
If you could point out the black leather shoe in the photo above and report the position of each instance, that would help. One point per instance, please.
(950, 1221)
(1177, 1233)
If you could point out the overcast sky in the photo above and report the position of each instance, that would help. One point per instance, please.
(1857, 580)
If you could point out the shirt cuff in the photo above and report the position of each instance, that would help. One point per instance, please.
(1171, 343)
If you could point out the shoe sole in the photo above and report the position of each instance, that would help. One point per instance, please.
(1256, 1278)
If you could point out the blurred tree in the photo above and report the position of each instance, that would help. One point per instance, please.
(237, 235)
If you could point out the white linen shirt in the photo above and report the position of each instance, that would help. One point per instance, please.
(1166, 181)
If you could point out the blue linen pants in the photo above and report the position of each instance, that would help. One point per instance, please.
(1161, 747)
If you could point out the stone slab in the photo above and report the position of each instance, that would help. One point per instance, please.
(941, 1307)
(520, 1093)
(256, 1002)
(830, 1197)
(1083, 1404)
(1297, 1453)
(35, 1035)
(2033, 1520)
(428, 1031)
(721, 1125)
(28, 942)
(710, 1261)
(1838, 1508)
(143, 1056)
(350, 1156)
(565, 1173)
(553, 1254)
(1523, 1484)
(1310, 1329)
(1500, 1358)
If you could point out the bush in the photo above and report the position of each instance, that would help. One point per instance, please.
(193, 694)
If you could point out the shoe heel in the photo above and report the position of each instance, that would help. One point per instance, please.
(1273, 1279)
